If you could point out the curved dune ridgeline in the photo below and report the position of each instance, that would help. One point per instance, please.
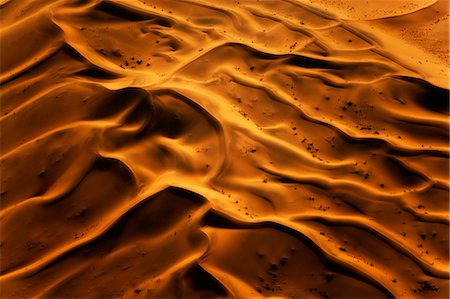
(200, 148)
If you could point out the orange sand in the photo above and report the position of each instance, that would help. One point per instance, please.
(202, 148)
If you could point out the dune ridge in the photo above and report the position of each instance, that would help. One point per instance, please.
(181, 148)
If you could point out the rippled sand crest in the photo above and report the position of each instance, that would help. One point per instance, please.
(181, 148)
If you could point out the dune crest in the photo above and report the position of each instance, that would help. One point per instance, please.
(181, 148)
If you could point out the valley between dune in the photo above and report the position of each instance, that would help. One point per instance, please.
(237, 149)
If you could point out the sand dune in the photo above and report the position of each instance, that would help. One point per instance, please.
(248, 149)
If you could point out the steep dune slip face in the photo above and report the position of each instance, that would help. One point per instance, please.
(239, 149)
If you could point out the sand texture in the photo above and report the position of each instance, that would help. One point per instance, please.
(238, 149)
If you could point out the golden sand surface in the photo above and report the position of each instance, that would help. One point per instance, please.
(217, 148)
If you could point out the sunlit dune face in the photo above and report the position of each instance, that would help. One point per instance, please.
(372, 10)
(224, 149)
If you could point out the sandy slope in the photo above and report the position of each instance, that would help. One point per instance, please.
(200, 148)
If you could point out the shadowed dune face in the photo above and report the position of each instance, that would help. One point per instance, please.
(202, 149)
